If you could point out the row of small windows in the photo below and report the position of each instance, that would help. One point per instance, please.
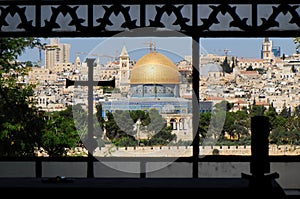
(43, 100)
(255, 64)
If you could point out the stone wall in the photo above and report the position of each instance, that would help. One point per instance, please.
(178, 151)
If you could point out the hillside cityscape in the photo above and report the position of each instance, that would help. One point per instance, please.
(148, 110)
(276, 75)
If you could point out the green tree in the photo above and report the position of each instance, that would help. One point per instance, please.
(60, 134)
(226, 67)
(163, 137)
(217, 121)
(142, 115)
(271, 114)
(124, 122)
(12, 48)
(242, 124)
(125, 141)
(204, 125)
(279, 136)
(297, 111)
(240, 130)
(279, 122)
(293, 69)
(28, 64)
(286, 112)
(261, 71)
(250, 68)
(233, 59)
(80, 119)
(223, 105)
(257, 110)
(20, 121)
(120, 128)
(229, 124)
(295, 137)
(157, 121)
(113, 129)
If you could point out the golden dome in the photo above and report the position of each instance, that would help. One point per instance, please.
(154, 68)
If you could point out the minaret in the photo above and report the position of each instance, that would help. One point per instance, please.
(98, 62)
(124, 76)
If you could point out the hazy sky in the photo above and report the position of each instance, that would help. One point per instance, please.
(175, 48)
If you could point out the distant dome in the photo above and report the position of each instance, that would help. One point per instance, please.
(210, 67)
(155, 68)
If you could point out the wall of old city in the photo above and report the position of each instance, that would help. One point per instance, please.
(179, 151)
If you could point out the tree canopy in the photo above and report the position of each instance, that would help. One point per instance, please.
(121, 128)
(59, 134)
(24, 129)
(226, 67)
(20, 120)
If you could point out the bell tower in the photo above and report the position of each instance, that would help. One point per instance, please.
(124, 74)
(267, 53)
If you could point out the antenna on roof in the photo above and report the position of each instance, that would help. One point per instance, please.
(226, 51)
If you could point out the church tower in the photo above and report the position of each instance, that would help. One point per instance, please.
(124, 76)
(267, 53)
(78, 62)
